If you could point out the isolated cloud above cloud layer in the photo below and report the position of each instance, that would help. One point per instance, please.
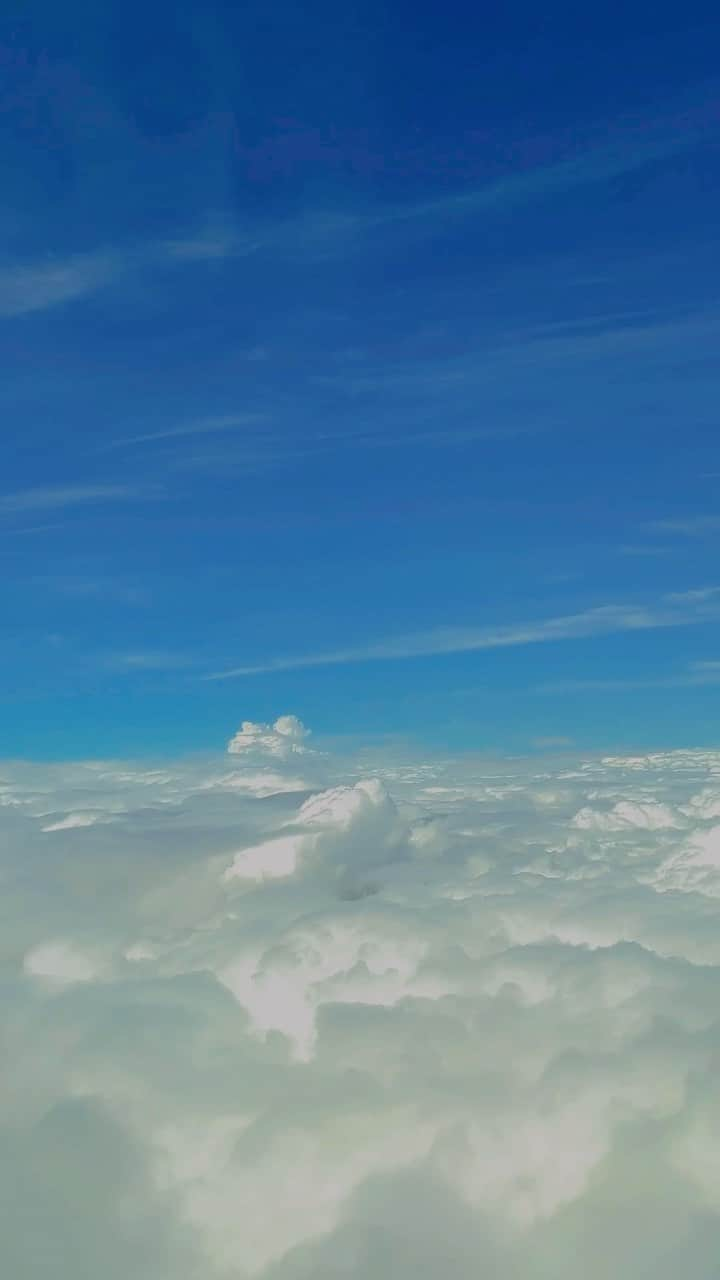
(287, 1015)
(283, 738)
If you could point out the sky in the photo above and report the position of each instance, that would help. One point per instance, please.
(359, 772)
(359, 361)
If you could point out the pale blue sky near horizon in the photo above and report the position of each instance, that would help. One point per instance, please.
(359, 363)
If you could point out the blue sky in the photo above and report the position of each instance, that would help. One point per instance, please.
(360, 362)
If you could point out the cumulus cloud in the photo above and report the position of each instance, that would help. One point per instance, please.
(650, 815)
(298, 1016)
(267, 861)
(342, 831)
(283, 738)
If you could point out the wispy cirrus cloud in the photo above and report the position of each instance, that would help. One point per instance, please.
(214, 244)
(325, 232)
(679, 609)
(57, 497)
(147, 660)
(697, 674)
(268, 451)
(37, 285)
(200, 427)
(695, 595)
(17, 531)
(589, 167)
(102, 587)
(642, 551)
(689, 526)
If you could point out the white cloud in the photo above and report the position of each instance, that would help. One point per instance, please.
(39, 285)
(36, 286)
(283, 738)
(261, 784)
(650, 815)
(393, 1018)
(198, 427)
(678, 610)
(696, 595)
(345, 829)
(211, 246)
(31, 286)
(60, 963)
(55, 497)
(147, 660)
(343, 806)
(269, 861)
(690, 526)
(72, 821)
(695, 675)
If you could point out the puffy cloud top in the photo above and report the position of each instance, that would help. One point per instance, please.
(283, 738)
(351, 827)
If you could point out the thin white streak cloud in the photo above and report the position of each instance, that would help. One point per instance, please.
(695, 594)
(209, 247)
(691, 679)
(604, 620)
(31, 286)
(323, 230)
(204, 426)
(40, 285)
(593, 166)
(78, 587)
(56, 497)
(35, 528)
(689, 526)
(150, 660)
(37, 286)
(516, 354)
(277, 450)
(645, 551)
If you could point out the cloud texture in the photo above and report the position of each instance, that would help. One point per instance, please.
(292, 1016)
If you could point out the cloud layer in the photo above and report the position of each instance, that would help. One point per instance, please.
(286, 1015)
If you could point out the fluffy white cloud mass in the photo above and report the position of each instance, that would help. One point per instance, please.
(283, 738)
(298, 1017)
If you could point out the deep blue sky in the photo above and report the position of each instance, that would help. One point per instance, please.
(379, 333)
